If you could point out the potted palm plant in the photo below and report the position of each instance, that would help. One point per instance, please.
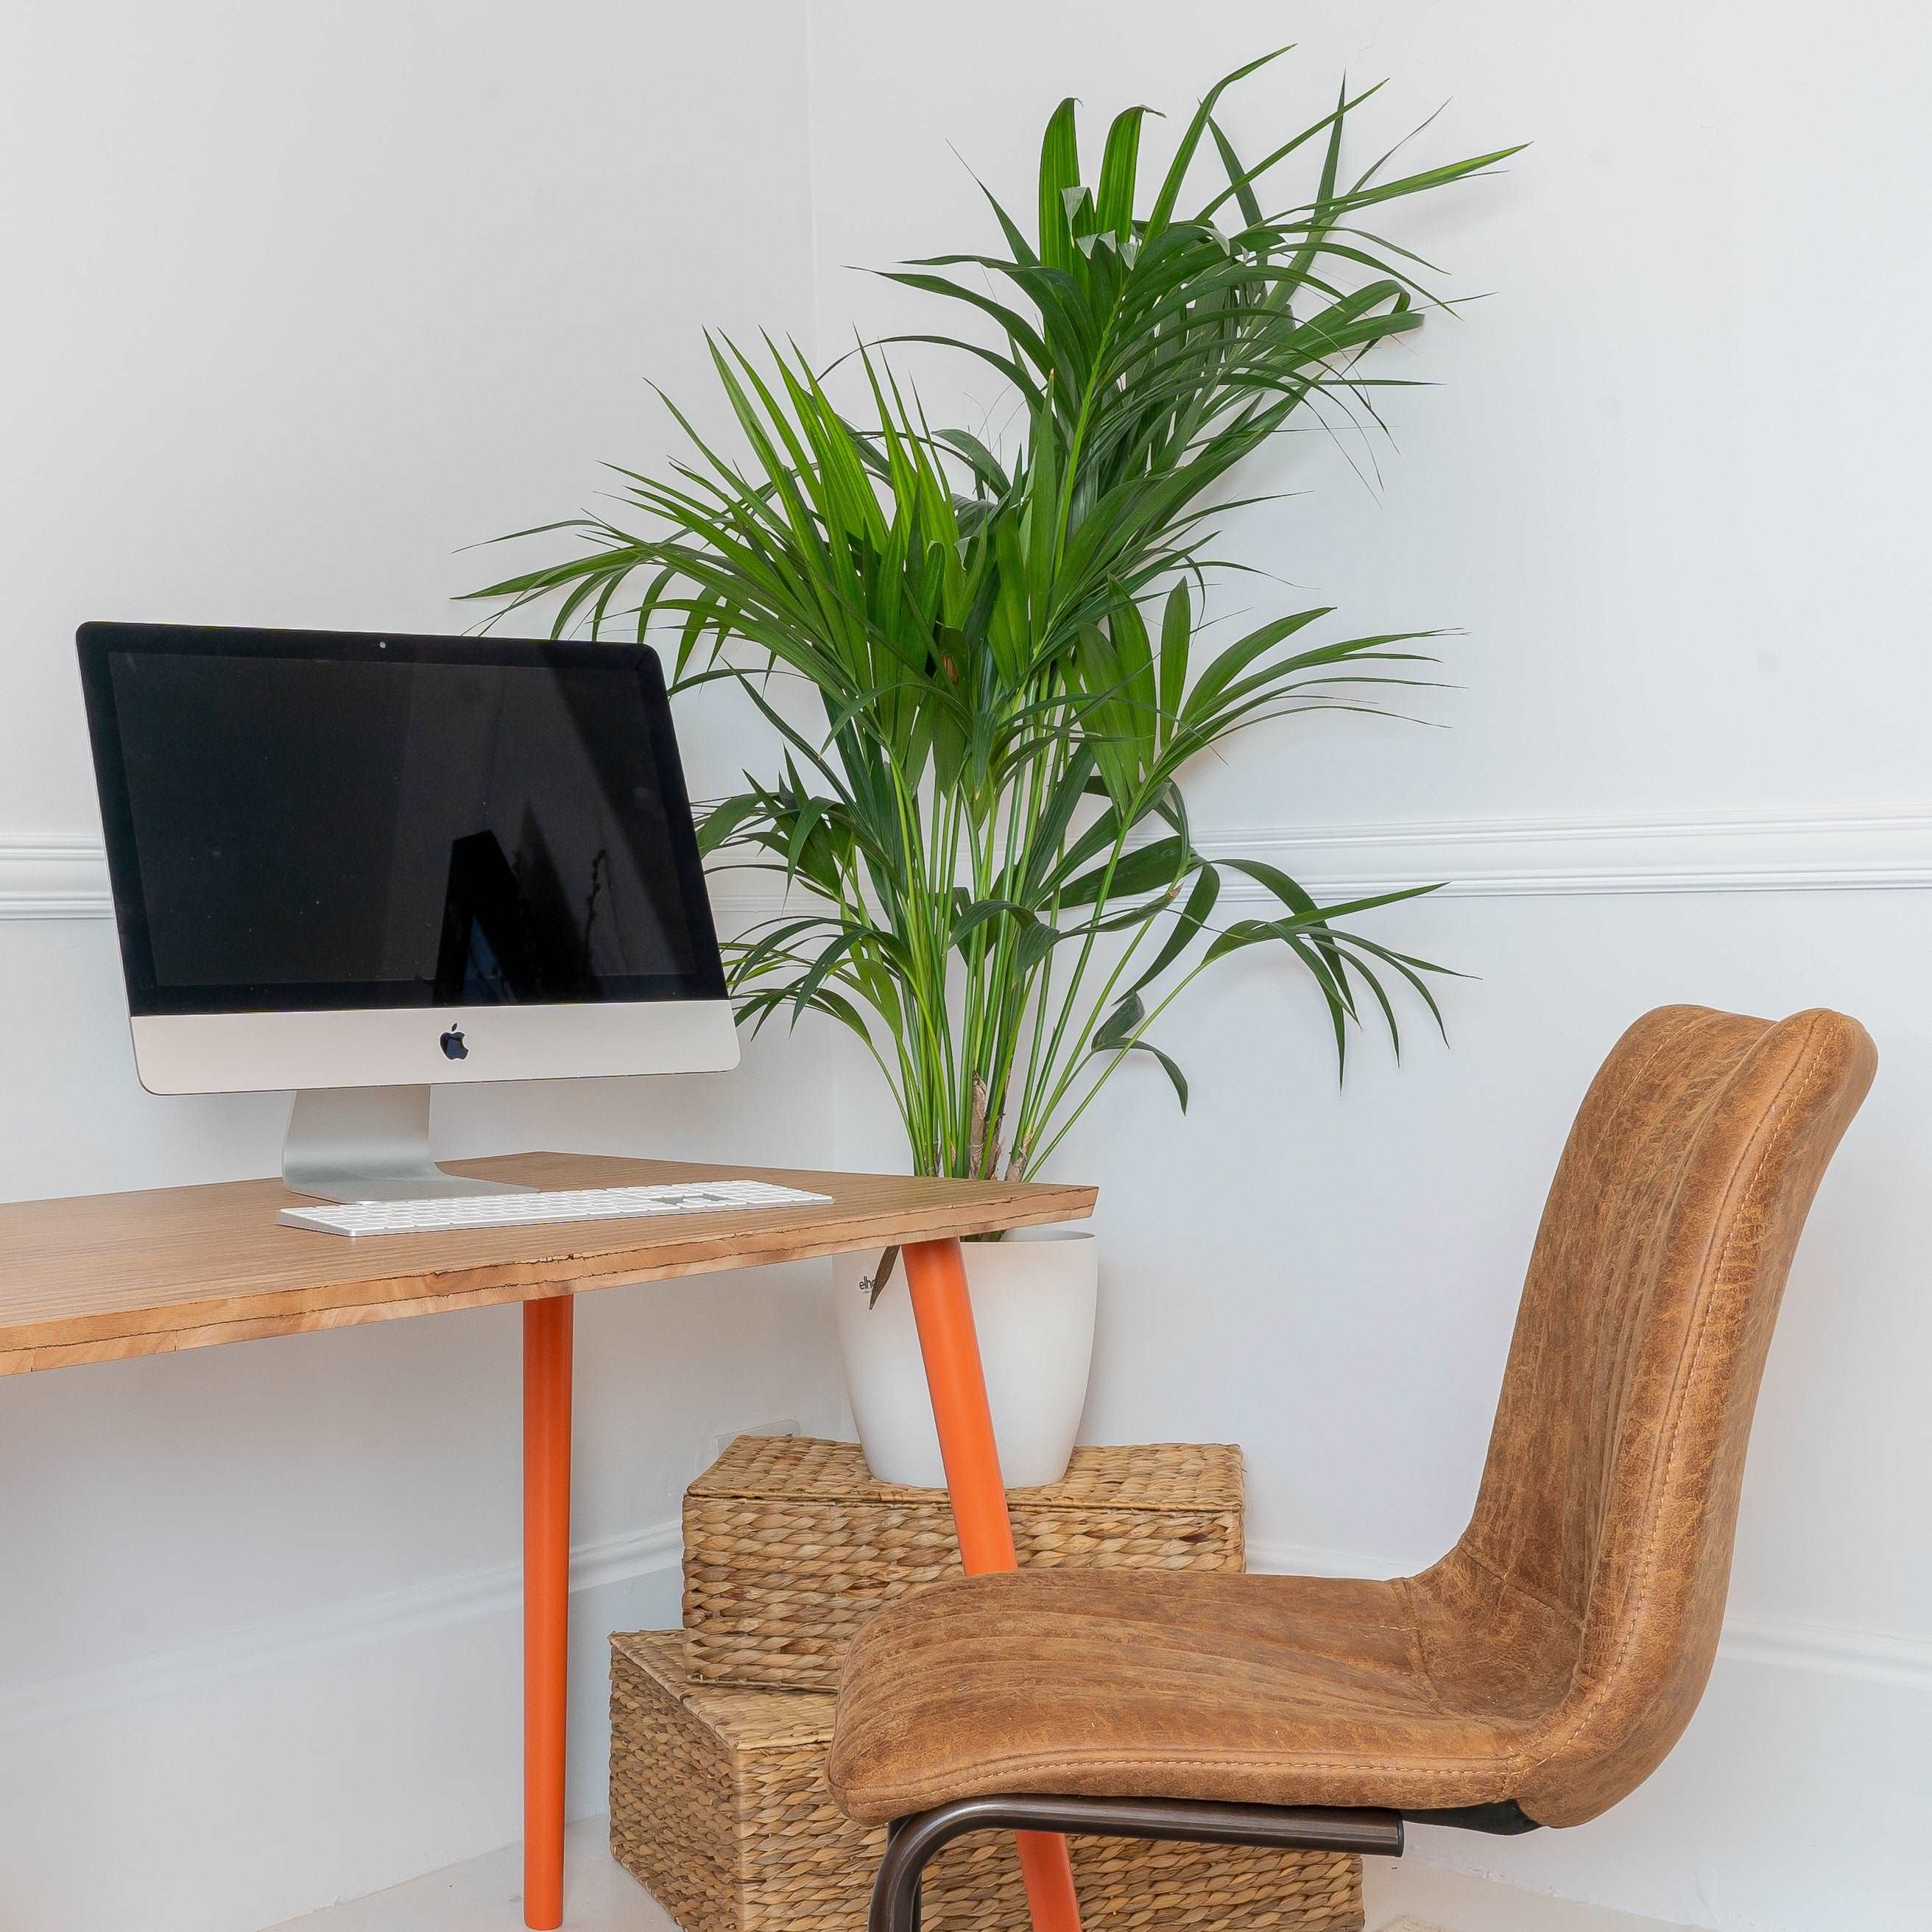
(991, 878)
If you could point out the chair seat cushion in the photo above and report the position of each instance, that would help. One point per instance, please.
(1261, 1689)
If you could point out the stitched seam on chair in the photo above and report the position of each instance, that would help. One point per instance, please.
(1665, 1043)
(1510, 1768)
(1521, 1589)
(1179, 1758)
(1746, 1163)
(1480, 1781)
(1418, 1644)
(1673, 1195)
(1640, 1601)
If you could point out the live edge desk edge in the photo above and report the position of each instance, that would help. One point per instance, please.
(97, 1278)
(101, 1278)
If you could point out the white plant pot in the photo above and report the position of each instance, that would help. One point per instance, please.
(1033, 1296)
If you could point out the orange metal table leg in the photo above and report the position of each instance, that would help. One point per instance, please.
(547, 1327)
(936, 1276)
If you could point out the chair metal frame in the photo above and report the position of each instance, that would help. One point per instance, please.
(912, 1843)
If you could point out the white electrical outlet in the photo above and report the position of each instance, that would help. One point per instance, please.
(783, 1425)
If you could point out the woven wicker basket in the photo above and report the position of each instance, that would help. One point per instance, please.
(718, 1805)
(790, 1544)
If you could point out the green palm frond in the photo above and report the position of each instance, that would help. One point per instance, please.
(987, 836)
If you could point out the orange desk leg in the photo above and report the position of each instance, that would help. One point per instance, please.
(547, 1338)
(936, 1277)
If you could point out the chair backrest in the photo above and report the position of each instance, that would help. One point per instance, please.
(1610, 1495)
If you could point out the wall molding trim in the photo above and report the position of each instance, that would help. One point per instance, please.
(396, 1616)
(1833, 1650)
(1527, 858)
(53, 875)
(1783, 1643)
(56, 875)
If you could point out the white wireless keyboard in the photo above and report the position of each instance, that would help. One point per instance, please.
(520, 1210)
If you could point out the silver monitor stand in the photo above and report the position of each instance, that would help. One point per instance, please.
(369, 1144)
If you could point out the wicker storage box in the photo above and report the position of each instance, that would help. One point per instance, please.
(790, 1544)
(719, 1806)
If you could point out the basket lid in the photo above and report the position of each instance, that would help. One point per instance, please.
(1151, 1476)
(745, 1718)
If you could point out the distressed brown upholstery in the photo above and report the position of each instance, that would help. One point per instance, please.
(1555, 1655)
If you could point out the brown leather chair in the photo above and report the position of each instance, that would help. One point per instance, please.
(1540, 1672)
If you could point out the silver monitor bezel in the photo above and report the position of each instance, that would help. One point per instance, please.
(238, 1046)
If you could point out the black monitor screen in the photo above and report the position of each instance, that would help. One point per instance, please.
(298, 821)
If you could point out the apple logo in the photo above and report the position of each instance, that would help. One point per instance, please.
(452, 1045)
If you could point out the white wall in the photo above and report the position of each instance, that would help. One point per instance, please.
(1671, 486)
(390, 275)
(301, 299)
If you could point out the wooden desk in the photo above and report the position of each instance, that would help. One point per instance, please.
(97, 1278)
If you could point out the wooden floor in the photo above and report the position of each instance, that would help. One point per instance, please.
(483, 1896)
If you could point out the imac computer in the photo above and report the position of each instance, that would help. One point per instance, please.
(357, 866)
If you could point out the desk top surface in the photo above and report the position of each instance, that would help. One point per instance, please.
(97, 1277)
